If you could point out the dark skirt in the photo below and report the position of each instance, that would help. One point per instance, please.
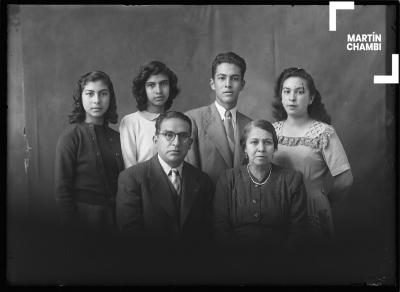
(96, 217)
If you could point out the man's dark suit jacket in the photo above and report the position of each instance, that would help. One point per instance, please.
(210, 150)
(146, 206)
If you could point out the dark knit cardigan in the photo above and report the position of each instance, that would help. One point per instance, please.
(79, 169)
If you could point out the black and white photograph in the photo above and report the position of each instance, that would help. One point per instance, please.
(202, 145)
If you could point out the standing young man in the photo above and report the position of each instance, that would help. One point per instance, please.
(217, 127)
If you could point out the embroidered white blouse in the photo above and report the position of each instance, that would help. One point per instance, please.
(318, 155)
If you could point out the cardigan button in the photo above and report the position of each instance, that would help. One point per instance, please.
(256, 215)
(254, 201)
(98, 153)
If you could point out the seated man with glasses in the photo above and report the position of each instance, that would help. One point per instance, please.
(165, 197)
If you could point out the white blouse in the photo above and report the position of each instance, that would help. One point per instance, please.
(136, 132)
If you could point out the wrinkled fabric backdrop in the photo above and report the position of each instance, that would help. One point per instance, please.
(51, 46)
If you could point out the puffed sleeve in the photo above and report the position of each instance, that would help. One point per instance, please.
(128, 142)
(65, 168)
(221, 210)
(333, 152)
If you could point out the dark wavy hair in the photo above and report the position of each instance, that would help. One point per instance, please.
(139, 89)
(231, 58)
(316, 109)
(262, 124)
(78, 113)
(170, 115)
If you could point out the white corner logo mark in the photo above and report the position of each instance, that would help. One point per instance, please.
(337, 5)
(390, 79)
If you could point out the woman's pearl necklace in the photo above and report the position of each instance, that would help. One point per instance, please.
(257, 183)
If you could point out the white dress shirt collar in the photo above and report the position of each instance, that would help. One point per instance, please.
(221, 110)
(165, 166)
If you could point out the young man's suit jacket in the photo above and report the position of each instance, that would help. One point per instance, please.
(210, 149)
(146, 205)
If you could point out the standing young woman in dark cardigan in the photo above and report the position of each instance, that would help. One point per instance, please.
(88, 157)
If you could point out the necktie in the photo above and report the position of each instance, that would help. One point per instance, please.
(229, 130)
(175, 179)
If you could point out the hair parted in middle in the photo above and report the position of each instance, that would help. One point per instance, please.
(231, 58)
(261, 124)
(171, 115)
(316, 109)
(145, 71)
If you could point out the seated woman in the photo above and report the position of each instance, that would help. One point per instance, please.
(260, 203)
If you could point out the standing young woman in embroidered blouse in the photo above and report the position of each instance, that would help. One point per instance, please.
(88, 157)
(309, 144)
(154, 88)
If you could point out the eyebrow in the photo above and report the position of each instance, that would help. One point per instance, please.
(178, 132)
(152, 82)
(168, 131)
(265, 139)
(285, 87)
(91, 90)
(233, 75)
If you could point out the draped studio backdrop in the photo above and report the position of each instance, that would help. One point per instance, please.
(50, 47)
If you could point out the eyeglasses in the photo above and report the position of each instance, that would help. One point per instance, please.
(170, 136)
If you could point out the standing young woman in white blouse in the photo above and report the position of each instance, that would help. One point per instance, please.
(309, 144)
(154, 89)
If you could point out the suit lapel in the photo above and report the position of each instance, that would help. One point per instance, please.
(190, 191)
(215, 130)
(159, 187)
